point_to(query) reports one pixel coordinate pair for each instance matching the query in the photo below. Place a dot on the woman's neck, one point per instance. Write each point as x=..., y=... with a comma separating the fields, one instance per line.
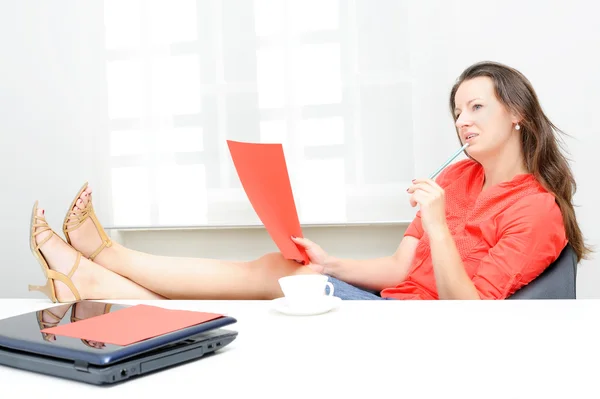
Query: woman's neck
x=503, y=168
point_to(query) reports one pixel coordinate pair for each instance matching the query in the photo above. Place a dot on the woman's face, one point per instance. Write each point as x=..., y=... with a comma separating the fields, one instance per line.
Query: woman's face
x=481, y=119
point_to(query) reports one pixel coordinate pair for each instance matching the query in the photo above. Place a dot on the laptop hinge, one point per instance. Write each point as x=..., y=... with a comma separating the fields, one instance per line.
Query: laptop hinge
x=80, y=365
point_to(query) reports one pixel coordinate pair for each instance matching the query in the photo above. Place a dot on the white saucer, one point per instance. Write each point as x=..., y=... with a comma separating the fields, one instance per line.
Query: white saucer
x=325, y=305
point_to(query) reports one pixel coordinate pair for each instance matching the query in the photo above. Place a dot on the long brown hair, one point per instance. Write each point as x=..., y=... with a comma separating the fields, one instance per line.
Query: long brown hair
x=539, y=140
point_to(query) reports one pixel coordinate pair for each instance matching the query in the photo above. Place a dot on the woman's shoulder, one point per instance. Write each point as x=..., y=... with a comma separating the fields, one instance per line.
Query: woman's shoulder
x=539, y=204
x=536, y=211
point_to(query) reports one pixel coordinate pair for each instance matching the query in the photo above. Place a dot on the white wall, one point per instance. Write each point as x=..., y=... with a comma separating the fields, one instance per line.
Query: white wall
x=53, y=116
x=246, y=244
x=52, y=121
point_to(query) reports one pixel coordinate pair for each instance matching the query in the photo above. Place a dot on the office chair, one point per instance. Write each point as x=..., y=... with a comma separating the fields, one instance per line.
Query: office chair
x=558, y=281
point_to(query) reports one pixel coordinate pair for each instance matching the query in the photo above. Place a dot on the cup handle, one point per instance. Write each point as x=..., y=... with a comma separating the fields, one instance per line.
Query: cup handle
x=330, y=289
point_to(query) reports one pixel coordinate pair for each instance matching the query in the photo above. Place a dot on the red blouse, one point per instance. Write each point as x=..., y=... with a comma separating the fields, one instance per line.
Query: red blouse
x=506, y=235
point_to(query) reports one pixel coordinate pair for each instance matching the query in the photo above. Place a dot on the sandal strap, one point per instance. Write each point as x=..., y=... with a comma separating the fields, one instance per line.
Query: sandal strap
x=45, y=240
x=77, y=218
x=53, y=315
x=74, y=318
x=41, y=226
x=75, y=266
x=105, y=244
x=47, y=324
x=66, y=279
x=73, y=311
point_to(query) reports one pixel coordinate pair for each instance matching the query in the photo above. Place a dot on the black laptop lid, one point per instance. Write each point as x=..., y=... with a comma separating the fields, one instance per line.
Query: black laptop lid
x=23, y=332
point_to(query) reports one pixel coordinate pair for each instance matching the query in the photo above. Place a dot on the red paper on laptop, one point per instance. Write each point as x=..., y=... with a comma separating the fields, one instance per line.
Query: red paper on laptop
x=263, y=172
x=131, y=324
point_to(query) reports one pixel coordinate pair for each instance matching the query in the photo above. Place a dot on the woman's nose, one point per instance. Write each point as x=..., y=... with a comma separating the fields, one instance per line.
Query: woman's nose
x=461, y=122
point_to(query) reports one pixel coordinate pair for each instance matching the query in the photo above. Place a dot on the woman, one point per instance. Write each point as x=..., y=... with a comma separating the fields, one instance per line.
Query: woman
x=486, y=227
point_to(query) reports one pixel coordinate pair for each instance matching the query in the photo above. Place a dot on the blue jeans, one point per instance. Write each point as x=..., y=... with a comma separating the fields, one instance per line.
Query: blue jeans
x=346, y=291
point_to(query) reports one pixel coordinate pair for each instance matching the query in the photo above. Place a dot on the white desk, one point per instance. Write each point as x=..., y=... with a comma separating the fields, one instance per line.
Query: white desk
x=503, y=349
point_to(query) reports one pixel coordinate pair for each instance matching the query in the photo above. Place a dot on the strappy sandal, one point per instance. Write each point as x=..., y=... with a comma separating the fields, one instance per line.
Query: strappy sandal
x=38, y=226
x=74, y=219
x=47, y=324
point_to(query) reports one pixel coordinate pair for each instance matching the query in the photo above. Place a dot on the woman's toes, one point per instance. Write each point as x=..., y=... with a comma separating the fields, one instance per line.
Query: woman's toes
x=83, y=200
x=42, y=235
x=85, y=197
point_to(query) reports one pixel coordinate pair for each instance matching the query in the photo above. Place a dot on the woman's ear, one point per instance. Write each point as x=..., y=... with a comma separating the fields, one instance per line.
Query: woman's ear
x=516, y=118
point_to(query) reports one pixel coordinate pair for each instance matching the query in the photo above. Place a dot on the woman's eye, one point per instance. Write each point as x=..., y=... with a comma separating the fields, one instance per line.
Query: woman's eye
x=477, y=106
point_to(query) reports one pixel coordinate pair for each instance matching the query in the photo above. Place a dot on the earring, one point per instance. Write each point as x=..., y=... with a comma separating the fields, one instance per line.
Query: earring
x=517, y=127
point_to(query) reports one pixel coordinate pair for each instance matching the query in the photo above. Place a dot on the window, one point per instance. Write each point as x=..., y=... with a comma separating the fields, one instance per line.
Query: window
x=322, y=77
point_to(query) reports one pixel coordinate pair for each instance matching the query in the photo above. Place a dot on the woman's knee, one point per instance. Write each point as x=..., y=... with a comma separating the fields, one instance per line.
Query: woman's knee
x=269, y=268
x=274, y=261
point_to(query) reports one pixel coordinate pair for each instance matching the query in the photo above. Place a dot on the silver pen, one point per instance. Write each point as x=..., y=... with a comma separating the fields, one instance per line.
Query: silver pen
x=457, y=153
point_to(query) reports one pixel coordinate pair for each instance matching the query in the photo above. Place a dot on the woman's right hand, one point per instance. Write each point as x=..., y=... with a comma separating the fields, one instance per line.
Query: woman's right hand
x=318, y=257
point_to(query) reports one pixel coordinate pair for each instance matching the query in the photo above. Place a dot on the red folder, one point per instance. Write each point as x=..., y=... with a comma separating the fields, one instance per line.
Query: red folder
x=131, y=324
x=264, y=176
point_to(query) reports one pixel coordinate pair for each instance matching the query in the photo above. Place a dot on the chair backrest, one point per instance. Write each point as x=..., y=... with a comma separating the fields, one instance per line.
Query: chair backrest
x=558, y=281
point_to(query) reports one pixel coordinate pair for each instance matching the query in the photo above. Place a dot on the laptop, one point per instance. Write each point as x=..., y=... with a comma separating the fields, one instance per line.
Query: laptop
x=24, y=346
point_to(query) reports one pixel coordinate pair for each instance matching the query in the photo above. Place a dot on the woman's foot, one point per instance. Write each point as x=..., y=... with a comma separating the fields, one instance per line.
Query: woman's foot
x=62, y=259
x=84, y=236
x=90, y=280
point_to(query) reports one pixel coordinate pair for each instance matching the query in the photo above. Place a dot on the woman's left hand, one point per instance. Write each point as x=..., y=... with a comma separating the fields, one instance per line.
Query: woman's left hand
x=431, y=200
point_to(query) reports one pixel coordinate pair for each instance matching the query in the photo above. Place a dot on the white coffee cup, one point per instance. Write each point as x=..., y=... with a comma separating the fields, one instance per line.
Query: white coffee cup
x=305, y=288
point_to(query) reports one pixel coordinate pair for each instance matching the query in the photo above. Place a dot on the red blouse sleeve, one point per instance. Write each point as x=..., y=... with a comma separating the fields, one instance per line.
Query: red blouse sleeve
x=531, y=235
x=415, y=229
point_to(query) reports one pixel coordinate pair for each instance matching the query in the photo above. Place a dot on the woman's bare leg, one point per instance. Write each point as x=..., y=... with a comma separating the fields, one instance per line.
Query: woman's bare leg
x=197, y=278
x=187, y=278
x=91, y=280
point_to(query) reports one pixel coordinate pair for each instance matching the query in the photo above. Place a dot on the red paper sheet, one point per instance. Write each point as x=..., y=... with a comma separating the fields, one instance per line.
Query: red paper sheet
x=263, y=172
x=132, y=324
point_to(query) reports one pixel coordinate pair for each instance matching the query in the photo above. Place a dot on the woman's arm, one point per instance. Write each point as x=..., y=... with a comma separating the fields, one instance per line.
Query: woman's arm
x=451, y=277
x=375, y=274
